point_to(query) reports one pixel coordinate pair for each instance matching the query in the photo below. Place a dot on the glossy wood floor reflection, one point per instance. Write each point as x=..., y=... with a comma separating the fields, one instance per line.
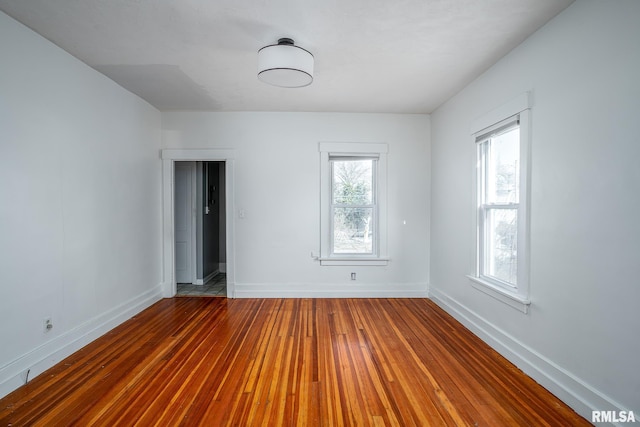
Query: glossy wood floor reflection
x=281, y=362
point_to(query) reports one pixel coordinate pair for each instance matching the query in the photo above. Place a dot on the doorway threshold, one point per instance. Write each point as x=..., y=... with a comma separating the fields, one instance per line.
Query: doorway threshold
x=215, y=287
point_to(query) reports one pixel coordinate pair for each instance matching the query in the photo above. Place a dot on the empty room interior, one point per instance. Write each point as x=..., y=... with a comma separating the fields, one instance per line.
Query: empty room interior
x=319, y=213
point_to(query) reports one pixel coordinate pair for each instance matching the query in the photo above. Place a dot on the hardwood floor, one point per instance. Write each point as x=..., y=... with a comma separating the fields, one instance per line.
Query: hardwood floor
x=280, y=362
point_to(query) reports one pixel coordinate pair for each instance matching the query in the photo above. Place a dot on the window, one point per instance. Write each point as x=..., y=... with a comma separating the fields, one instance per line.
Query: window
x=498, y=196
x=353, y=205
x=501, y=238
x=353, y=196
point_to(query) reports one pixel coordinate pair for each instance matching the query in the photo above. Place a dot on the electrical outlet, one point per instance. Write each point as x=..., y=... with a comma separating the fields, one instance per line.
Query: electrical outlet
x=353, y=276
x=48, y=324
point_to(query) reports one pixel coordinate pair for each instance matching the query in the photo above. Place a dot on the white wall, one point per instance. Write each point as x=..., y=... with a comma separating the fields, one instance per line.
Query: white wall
x=581, y=337
x=277, y=181
x=80, y=191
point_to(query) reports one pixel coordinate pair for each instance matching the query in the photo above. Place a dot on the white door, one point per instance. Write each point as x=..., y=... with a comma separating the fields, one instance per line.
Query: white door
x=184, y=222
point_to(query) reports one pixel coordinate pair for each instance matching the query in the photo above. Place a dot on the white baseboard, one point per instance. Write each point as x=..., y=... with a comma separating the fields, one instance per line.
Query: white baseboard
x=575, y=392
x=211, y=276
x=14, y=374
x=206, y=279
x=332, y=290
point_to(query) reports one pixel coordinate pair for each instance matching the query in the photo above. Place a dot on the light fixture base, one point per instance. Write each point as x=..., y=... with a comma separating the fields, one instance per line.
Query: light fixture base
x=286, y=41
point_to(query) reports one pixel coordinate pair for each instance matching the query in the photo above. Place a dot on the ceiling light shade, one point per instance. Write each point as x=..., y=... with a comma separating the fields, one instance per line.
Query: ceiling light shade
x=285, y=65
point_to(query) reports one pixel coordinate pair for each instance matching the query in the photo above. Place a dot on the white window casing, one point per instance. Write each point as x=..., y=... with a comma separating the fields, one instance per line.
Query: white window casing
x=336, y=151
x=515, y=114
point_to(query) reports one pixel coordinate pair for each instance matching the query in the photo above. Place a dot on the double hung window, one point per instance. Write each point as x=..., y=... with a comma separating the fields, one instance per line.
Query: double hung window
x=499, y=203
x=353, y=198
x=501, y=264
x=353, y=205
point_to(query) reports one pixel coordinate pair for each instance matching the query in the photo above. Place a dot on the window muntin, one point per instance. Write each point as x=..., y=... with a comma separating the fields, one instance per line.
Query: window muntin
x=353, y=205
x=499, y=204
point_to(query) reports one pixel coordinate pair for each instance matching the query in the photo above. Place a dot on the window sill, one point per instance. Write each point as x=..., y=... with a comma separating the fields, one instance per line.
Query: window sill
x=354, y=261
x=502, y=295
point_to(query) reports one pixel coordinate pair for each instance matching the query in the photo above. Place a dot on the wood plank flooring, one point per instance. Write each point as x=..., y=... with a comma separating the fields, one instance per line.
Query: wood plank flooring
x=286, y=362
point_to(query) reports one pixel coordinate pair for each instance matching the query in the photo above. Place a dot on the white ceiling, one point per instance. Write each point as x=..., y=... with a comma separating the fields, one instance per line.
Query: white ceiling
x=392, y=56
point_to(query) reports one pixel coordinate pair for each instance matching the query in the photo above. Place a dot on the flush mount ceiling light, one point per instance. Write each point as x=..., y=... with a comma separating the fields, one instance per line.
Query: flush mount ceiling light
x=285, y=65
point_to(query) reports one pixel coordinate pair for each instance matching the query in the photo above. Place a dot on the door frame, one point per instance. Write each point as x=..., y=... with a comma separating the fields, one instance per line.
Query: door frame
x=192, y=209
x=169, y=157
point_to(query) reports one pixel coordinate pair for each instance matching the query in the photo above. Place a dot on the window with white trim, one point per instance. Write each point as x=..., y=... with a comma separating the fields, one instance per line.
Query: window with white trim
x=498, y=195
x=354, y=209
x=501, y=239
x=353, y=197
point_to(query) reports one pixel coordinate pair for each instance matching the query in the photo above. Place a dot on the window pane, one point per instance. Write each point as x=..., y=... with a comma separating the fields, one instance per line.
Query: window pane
x=501, y=243
x=353, y=182
x=503, y=167
x=353, y=230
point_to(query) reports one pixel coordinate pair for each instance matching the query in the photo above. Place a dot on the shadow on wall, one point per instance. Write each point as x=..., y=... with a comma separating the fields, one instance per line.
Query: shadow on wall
x=164, y=86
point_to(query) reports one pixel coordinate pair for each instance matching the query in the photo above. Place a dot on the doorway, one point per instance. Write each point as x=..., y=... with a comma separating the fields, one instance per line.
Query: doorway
x=216, y=194
x=199, y=226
